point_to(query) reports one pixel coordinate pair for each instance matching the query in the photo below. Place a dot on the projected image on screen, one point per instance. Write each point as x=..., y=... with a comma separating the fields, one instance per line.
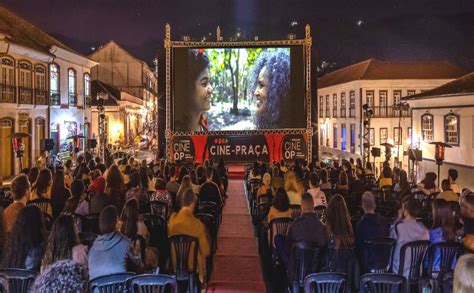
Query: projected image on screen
x=238, y=89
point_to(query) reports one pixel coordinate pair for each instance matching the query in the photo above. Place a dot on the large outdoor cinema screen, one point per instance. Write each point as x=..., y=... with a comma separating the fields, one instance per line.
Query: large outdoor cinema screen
x=252, y=88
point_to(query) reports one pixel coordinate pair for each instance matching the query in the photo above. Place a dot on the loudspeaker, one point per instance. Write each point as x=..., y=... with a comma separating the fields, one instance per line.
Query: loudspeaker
x=375, y=152
x=415, y=155
x=91, y=143
x=46, y=144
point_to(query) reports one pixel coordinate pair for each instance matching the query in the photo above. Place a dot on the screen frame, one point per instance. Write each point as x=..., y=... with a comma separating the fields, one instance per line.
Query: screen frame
x=305, y=45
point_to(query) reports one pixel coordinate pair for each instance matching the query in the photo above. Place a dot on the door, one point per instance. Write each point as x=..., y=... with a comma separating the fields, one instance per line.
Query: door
x=25, y=126
x=6, y=147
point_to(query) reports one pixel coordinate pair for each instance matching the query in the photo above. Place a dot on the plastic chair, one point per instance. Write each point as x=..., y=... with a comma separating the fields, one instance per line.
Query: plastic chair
x=42, y=203
x=110, y=283
x=209, y=207
x=159, y=208
x=378, y=255
x=87, y=238
x=382, y=283
x=158, y=234
x=415, y=250
x=16, y=280
x=152, y=283
x=90, y=223
x=211, y=225
x=276, y=227
x=183, y=260
x=446, y=252
x=447, y=283
x=295, y=211
x=320, y=211
x=302, y=262
x=325, y=283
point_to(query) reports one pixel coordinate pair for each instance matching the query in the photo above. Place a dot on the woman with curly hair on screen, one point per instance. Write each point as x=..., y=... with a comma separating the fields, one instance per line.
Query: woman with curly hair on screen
x=271, y=78
x=195, y=92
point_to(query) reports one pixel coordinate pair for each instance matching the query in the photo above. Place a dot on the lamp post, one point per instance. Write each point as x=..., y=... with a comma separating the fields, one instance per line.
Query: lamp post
x=101, y=98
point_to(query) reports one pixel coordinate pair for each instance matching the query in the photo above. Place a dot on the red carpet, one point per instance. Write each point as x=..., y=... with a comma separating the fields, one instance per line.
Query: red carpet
x=236, y=263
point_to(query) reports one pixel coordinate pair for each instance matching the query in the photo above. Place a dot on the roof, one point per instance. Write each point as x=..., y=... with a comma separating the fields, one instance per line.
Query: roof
x=98, y=86
x=462, y=85
x=373, y=69
x=22, y=32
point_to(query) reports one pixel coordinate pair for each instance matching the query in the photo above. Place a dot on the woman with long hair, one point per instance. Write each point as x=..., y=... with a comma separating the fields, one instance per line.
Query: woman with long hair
x=266, y=187
x=63, y=243
x=194, y=93
x=33, y=175
x=293, y=188
x=464, y=274
x=185, y=184
x=43, y=187
x=24, y=246
x=325, y=183
x=115, y=186
x=59, y=193
x=386, y=177
x=402, y=187
x=194, y=181
x=428, y=184
x=281, y=206
x=343, y=182
x=443, y=228
x=338, y=223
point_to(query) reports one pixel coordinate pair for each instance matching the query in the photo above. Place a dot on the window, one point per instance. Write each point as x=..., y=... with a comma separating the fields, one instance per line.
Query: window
x=397, y=135
x=411, y=92
x=54, y=84
x=40, y=85
x=25, y=89
x=334, y=105
x=369, y=98
x=72, y=86
x=352, y=104
x=321, y=106
x=372, y=136
x=87, y=88
x=383, y=103
x=397, y=95
x=7, y=80
x=427, y=123
x=383, y=135
x=334, y=136
x=409, y=136
x=343, y=105
x=343, y=136
x=328, y=114
x=40, y=131
x=451, y=129
x=353, y=138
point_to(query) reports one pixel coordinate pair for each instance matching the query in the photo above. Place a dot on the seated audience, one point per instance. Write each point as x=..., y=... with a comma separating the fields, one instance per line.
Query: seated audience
x=293, y=188
x=466, y=203
x=209, y=191
x=185, y=223
x=255, y=172
x=453, y=176
x=371, y=225
x=448, y=194
x=277, y=180
x=386, y=177
x=135, y=191
x=338, y=225
x=325, y=184
x=407, y=229
x=464, y=274
x=342, y=185
x=265, y=187
x=25, y=244
x=63, y=243
x=403, y=186
x=20, y=190
x=319, y=198
x=43, y=187
x=33, y=176
x=172, y=186
x=280, y=207
x=357, y=187
x=59, y=193
x=62, y=276
x=428, y=184
x=111, y=252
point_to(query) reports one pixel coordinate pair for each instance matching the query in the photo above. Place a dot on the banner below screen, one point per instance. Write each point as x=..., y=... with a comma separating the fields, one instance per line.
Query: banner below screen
x=246, y=148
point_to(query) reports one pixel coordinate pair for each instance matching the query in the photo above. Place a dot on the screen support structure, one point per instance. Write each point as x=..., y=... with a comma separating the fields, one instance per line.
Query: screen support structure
x=306, y=43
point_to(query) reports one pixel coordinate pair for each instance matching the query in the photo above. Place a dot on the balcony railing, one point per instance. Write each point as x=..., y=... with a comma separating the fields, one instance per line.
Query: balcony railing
x=328, y=113
x=55, y=98
x=352, y=112
x=40, y=97
x=7, y=93
x=389, y=112
x=343, y=112
x=26, y=95
x=334, y=113
x=72, y=99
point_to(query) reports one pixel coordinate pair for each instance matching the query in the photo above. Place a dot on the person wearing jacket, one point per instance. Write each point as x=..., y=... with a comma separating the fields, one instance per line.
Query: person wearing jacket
x=405, y=230
x=111, y=252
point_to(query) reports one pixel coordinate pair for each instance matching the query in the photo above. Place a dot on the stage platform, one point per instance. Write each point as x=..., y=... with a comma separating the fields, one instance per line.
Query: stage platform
x=236, y=170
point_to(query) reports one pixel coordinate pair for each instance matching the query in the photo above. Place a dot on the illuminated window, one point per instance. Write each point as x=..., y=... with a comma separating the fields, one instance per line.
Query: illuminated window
x=383, y=135
x=72, y=87
x=343, y=105
x=427, y=123
x=352, y=104
x=321, y=106
x=343, y=136
x=87, y=89
x=451, y=129
x=54, y=84
x=7, y=80
x=397, y=135
x=369, y=98
x=334, y=136
x=334, y=105
x=372, y=136
x=328, y=105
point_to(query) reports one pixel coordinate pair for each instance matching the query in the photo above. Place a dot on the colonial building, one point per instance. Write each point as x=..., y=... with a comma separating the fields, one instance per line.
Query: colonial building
x=43, y=88
x=446, y=114
x=380, y=85
x=132, y=86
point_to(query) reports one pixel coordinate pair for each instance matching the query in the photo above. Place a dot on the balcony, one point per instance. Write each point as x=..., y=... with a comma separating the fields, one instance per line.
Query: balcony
x=352, y=112
x=389, y=112
x=328, y=113
x=72, y=99
x=26, y=95
x=55, y=98
x=7, y=93
x=40, y=97
x=343, y=112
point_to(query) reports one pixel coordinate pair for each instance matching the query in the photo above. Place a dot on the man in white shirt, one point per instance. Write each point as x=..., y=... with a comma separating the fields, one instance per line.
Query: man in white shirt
x=319, y=198
x=452, y=176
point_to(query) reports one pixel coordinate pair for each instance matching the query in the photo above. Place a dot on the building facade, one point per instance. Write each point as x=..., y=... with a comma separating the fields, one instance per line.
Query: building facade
x=381, y=85
x=445, y=114
x=137, y=100
x=36, y=95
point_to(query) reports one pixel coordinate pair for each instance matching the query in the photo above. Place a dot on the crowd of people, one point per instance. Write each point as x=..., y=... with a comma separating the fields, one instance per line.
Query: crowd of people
x=358, y=207
x=46, y=214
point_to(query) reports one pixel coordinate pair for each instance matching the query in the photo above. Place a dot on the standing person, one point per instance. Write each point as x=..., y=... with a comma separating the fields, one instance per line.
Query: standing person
x=111, y=252
x=195, y=92
x=271, y=87
x=20, y=190
x=63, y=243
x=59, y=193
x=25, y=244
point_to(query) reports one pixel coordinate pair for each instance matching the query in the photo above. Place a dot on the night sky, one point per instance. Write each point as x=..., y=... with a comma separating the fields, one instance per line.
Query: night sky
x=343, y=32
